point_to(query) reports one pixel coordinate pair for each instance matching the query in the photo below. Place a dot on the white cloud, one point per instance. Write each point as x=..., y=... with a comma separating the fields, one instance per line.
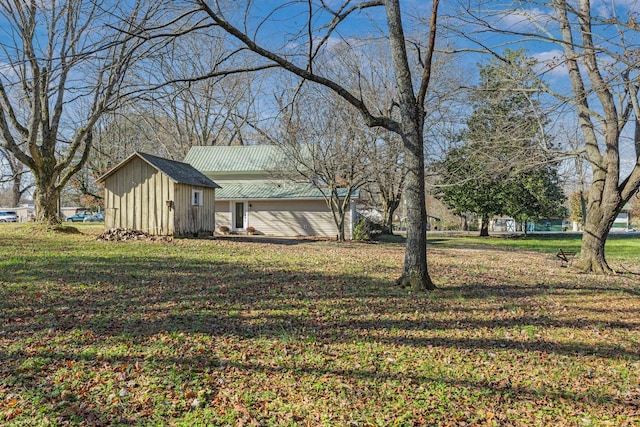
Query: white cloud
x=552, y=64
x=605, y=7
x=524, y=19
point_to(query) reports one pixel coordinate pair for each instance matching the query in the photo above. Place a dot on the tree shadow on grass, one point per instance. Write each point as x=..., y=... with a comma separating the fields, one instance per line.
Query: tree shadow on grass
x=120, y=375
x=143, y=297
x=501, y=392
x=112, y=300
x=506, y=290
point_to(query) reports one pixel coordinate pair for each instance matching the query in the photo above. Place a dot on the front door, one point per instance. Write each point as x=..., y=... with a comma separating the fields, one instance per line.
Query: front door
x=238, y=221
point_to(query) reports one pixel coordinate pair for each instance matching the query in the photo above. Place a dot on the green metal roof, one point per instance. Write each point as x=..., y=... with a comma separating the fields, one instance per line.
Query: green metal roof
x=267, y=190
x=254, y=190
x=246, y=159
x=251, y=172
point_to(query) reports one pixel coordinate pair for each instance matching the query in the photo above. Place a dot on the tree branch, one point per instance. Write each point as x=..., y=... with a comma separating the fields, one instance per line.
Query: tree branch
x=426, y=74
x=282, y=62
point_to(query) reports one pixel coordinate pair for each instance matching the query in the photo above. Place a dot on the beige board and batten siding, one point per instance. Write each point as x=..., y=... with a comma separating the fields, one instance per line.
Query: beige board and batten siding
x=190, y=219
x=136, y=198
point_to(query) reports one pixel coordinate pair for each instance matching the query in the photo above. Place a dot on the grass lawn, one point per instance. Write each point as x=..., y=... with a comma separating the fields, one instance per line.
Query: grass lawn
x=241, y=333
x=620, y=247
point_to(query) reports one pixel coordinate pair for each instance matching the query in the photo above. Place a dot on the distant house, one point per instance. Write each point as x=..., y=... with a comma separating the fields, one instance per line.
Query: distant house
x=623, y=220
x=256, y=194
x=159, y=196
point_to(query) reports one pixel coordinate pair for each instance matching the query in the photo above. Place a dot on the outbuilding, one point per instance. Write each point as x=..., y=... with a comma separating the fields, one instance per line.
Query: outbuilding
x=159, y=196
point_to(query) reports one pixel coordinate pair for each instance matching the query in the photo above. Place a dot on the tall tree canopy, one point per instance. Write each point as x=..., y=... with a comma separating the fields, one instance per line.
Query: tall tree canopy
x=593, y=51
x=502, y=166
x=64, y=65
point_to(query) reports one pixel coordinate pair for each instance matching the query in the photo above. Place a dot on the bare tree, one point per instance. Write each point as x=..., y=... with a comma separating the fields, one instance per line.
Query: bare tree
x=64, y=66
x=184, y=111
x=387, y=175
x=327, y=149
x=598, y=49
x=15, y=177
x=115, y=136
x=299, y=54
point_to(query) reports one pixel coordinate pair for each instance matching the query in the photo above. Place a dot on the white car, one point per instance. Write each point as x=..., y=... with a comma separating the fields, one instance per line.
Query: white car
x=8, y=216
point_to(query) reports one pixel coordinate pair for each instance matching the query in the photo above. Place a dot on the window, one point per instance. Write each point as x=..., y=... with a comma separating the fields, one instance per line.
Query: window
x=196, y=198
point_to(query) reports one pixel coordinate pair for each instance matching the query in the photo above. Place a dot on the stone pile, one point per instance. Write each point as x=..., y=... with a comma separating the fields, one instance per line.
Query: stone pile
x=123, y=234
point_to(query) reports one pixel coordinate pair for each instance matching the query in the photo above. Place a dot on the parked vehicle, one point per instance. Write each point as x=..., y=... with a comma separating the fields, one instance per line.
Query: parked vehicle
x=78, y=217
x=8, y=216
x=96, y=217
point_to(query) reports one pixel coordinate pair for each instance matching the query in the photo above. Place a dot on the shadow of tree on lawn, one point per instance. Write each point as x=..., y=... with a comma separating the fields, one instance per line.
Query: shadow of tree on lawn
x=105, y=300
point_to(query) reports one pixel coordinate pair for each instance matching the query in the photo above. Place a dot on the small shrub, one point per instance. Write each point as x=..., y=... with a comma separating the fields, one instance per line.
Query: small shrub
x=224, y=229
x=362, y=230
x=366, y=230
x=250, y=230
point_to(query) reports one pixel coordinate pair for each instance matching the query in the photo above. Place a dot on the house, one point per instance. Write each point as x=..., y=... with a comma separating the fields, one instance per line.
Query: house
x=256, y=192
x=159, y=196
x=504, y=224
x=24, y=213
x=623, y=220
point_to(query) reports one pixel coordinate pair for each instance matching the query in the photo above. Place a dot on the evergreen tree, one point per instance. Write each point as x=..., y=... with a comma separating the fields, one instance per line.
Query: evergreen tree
x=501, y=168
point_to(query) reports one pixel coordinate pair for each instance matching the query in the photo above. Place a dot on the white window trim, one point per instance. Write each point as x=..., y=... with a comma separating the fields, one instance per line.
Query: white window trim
x=197, y=198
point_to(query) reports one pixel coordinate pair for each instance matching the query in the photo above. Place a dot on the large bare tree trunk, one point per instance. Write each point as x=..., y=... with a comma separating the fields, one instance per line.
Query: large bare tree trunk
x=46, y=201
x=415, y=274
x=47, y=191
x=592, y=250
x=602, y=210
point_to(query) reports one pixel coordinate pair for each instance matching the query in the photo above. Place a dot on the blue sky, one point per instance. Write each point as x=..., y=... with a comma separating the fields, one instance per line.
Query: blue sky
x=527, y=16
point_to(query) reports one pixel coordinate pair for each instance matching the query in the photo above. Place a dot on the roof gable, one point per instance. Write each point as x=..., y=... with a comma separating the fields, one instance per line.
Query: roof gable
x=236, y=159
x=180, y=173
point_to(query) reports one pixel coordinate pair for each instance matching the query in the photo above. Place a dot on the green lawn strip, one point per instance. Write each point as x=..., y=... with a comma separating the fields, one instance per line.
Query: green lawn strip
x=217, y=332
x=618, y=246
